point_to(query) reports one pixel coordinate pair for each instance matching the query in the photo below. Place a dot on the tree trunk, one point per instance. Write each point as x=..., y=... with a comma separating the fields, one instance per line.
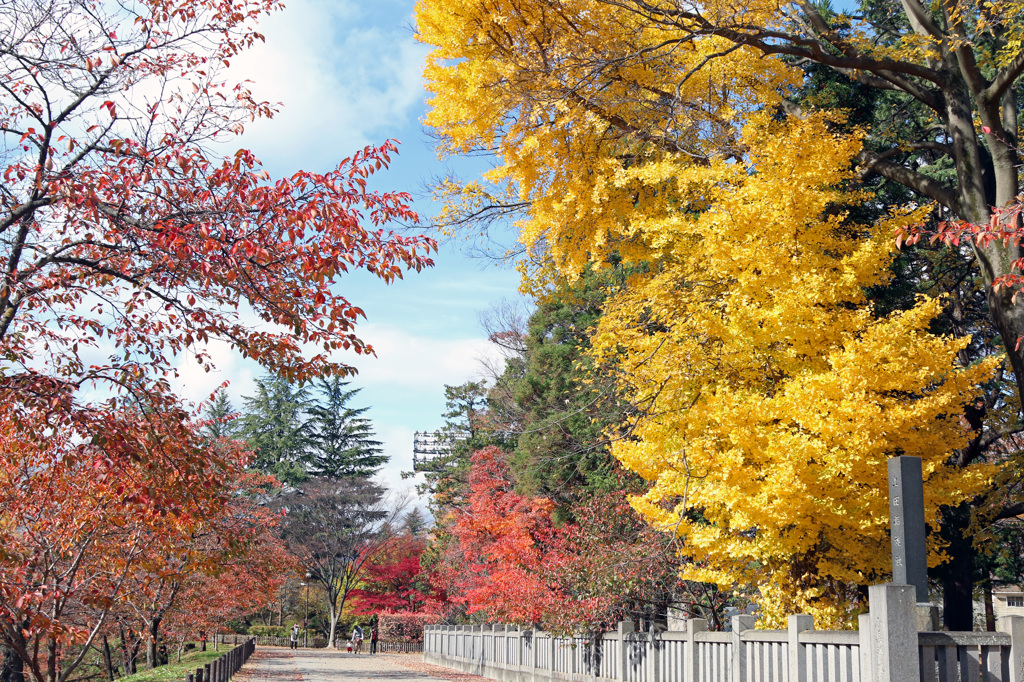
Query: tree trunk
x=108, y=664
x=53, y=657
x=12, y=669
x=957, y=574
x=990, y=612
x=129, y=649
x=152, y=656
x=984, y=180
x=334, y=627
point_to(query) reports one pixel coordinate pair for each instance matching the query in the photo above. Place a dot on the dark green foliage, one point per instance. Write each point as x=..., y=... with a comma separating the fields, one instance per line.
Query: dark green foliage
x=218, y=413
x=469, y=425
x=275, y=428
x=343, y=443
x=1008, y=563
x=301, y=431
x=567, y=404
x=414, y=523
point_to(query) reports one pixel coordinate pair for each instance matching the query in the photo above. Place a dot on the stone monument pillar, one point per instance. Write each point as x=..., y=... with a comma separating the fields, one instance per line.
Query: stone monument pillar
x=908, y=534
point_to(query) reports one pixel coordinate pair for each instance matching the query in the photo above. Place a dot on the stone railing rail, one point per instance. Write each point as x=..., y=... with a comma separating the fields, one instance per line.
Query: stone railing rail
x=887, y=648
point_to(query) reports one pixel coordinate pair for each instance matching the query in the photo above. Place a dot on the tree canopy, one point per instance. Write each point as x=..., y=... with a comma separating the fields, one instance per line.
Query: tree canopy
x=773, y=362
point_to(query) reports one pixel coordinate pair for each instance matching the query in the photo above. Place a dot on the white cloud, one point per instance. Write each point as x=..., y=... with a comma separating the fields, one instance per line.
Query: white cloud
x=343, y=85
x=397, y=444
x=416, y=362
x=195, y=384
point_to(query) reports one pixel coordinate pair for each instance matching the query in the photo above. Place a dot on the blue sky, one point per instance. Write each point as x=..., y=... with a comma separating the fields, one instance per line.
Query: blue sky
x=349, y=74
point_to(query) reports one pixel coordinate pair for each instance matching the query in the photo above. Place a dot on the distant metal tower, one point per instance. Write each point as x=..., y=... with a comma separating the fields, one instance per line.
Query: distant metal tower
x=430, y=446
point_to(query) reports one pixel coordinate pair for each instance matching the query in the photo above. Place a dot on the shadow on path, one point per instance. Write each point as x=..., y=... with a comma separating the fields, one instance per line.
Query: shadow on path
x=277, y=664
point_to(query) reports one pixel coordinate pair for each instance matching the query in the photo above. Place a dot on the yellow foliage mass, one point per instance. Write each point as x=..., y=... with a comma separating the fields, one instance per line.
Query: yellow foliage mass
x=773, y=393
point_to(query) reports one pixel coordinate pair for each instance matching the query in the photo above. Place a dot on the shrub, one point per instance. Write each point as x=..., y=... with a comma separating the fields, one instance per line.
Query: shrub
x=269, y=630
x=403, y=627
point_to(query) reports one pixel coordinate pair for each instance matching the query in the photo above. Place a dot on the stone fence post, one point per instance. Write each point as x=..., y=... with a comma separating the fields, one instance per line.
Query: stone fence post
x=625, y=627
x=691, y=661
x=740, y=624
x=797, y=651
x=1014, y=626
x=894, y=641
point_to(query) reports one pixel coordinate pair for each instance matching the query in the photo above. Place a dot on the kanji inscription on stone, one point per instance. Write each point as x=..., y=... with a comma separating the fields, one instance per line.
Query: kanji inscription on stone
x=906, y=521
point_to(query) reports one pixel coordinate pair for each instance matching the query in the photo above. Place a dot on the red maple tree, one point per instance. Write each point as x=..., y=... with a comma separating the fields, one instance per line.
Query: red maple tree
x=128, y=243
x=505, y=545
x=394, y=581
x=506, y=557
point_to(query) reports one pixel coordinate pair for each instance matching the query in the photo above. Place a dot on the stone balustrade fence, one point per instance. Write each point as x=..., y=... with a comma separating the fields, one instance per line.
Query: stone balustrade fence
x=888, y=647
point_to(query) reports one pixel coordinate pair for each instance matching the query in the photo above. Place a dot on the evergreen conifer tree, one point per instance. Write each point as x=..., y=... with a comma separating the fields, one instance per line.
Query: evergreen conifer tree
x=343, y=441
x=218, y=412
x=276, y=428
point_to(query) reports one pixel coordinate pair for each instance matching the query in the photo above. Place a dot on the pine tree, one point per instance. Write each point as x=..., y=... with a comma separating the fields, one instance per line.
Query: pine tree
x=415, y=523
x=276, y=429
x=343, y=441
x=218, y=413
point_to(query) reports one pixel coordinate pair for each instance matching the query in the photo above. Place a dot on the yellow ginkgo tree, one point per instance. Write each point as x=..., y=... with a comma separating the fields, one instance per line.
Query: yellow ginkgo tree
x=774, y=395
x=771, y=392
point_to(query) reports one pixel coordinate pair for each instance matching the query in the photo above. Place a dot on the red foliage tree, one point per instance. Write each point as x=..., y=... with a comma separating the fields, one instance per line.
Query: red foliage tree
x=84, y=520
x=126, y=243
x=394, y=582
x=509, y=560
x=119, y=224
x=505, y=546
x=224, y=565
x=244, y=582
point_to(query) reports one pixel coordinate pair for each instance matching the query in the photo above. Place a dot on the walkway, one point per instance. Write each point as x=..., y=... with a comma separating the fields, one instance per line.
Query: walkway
x=278, y=664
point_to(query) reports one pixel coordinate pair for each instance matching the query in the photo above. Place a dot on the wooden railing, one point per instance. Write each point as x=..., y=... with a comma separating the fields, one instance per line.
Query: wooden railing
x=886, y=648
x=224, y=667
x=321, y=643
x=398, y=647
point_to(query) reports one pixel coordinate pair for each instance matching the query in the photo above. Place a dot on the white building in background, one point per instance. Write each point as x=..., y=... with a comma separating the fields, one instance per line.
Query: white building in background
x=1008, y=600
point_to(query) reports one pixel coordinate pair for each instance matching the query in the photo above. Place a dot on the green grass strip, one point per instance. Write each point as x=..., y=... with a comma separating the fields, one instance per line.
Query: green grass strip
x=190, y=660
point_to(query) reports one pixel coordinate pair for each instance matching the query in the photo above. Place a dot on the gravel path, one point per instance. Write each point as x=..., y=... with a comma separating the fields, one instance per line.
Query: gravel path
x=278, y=664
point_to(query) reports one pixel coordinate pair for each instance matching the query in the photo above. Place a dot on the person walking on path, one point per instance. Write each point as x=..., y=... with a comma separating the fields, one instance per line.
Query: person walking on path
x=373, y=639
x=357, y=638
x=295, y=636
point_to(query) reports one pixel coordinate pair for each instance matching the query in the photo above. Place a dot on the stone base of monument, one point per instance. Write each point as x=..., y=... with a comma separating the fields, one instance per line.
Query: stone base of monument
x=927, y=617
